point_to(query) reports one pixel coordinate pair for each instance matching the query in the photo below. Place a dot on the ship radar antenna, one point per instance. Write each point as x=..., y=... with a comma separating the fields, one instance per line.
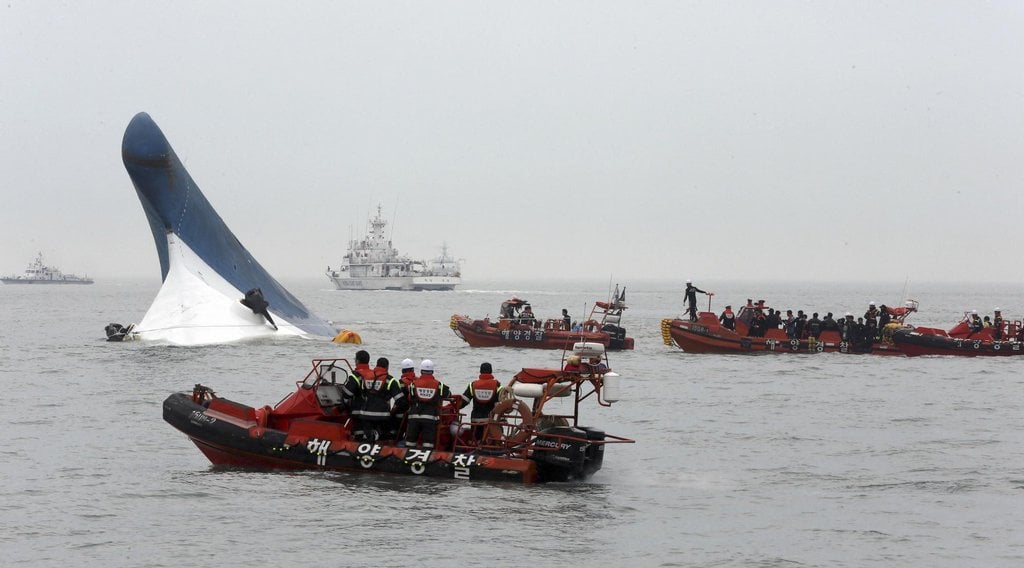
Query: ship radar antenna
x=394, y=216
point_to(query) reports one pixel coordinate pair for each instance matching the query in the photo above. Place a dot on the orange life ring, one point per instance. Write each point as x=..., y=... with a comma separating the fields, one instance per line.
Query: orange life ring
x=497, y=418
x=591, y=325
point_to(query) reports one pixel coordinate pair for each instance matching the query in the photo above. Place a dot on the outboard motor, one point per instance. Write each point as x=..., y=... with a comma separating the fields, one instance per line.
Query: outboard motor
x=594, y=454
x=560, y=459
x=616, y=336
x=255, y=302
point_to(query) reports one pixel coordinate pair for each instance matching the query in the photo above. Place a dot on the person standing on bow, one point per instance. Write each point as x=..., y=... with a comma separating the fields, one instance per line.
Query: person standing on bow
x=426, y=394
x=484, y=393
x=691, y=299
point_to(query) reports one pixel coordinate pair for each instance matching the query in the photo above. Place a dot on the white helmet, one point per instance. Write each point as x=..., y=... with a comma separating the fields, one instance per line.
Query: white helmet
x=997, y=310
x=426, y=365
x=871, y=303
x=974, y=312
x=688, y=281
x=407, y=364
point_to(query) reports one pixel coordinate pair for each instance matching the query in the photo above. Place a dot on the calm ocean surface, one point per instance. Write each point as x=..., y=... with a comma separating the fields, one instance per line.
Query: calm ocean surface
x=784, y=460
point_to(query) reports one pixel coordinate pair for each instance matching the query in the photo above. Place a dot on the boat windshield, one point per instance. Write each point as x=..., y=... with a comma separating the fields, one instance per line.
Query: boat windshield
x=332, y=371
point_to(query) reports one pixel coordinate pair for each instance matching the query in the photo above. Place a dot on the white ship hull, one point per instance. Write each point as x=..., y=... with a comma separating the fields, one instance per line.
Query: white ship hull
x=405, y=283
x=42, y=281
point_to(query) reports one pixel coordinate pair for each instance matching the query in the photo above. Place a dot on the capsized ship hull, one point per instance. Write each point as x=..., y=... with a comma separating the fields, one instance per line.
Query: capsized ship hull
x=205, y=269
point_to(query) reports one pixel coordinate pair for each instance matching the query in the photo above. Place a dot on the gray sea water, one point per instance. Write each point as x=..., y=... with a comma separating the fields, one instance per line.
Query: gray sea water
x=770, y=460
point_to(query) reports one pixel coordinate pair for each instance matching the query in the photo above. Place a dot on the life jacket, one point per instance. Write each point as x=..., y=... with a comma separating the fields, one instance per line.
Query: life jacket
x=425, y=398
x=727, y=314
x=485, y=389
x=362, y=373
x=426, y=389
x=377, y=382
x=379, y=391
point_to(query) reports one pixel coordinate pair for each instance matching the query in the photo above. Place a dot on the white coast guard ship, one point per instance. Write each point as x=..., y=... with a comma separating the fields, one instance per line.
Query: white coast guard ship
x=39, y=273
x=373, y=264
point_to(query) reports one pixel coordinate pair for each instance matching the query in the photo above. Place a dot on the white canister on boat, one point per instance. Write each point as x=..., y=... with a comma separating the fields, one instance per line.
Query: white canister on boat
x=560, y=389
x=527, y=390
x=611, y=389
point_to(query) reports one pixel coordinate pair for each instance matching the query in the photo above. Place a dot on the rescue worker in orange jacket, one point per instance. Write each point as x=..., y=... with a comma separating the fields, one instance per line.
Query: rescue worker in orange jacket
x=484, y=393
x=381, y=394
x=426, y=394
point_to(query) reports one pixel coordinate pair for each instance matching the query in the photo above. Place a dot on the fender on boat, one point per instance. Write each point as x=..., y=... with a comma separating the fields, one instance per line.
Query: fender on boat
x=205, y=270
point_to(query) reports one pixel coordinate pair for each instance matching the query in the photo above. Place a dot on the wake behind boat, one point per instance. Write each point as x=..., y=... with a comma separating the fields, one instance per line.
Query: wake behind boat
x=526, y=438
x=39, y=273
x=372, y=263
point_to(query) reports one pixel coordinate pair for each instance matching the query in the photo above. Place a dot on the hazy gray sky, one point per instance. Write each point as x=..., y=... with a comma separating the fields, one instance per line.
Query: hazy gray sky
x=705, y=140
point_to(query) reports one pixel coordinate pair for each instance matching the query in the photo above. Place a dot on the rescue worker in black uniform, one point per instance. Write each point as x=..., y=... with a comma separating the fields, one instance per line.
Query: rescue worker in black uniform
x=425, y=397
x=484, y=394
x=757, y=325
x=402, y=406
x=352, y=391
x=798, y=325
x=829, y=324
x=381, y=395
x=871, y=316
x=691, y=299
x=566, y=320
x=884, y=317
x=974, y=324
x=814, y=326
x=997, y=324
